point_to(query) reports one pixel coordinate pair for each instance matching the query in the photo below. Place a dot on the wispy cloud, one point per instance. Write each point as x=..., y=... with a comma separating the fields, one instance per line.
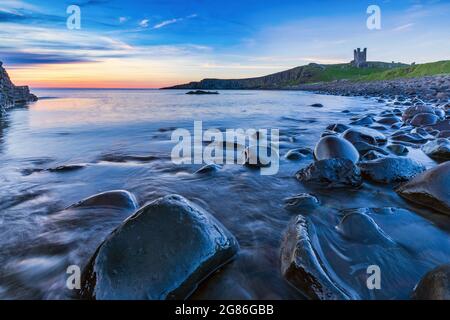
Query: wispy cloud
x=172, y=21
x=403, y=27
x=123, y=19
x=144, y=23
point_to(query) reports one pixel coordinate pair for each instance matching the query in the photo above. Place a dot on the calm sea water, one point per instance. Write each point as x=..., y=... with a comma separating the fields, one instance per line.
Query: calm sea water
x=95, y=127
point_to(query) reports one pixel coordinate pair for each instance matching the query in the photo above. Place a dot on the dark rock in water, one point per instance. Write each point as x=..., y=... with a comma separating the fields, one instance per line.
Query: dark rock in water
x=259, y=156
x=360, y=227
x=209, y=168
x=368, y=135
x=391, y=169
x=121, y=158
x=317, y=105
x=389, y=120
x=298, y=153
x=409, y=137
x=301, y=202
x=367, y=120
x=331, y=173
x=335, y=147
x=435, y=285
x=67, y=168
x=371, y=155
x=327, y=133
x=424, y=119
x=430, y=189
x=345, y=111
x=114, y=198
x=161, y=252
x=441, y=125
x=301, y=266
x=202, y=92
x=338, y=127
x=438, y=149
x=364, y=147
x=398, y=149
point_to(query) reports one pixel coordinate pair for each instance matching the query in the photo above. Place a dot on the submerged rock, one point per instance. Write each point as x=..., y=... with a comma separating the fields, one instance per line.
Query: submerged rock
x=331, y=173
x=163, y=251
x=209, y=168
x=367, y=120
x=298, y=153
x=398, y=149
x=301, y=202
x=363, y=134
x=302, y=267
x=114, y=198
x=391, y=169
x=330, y=147
x=438, y=149
x=317, y=105
x=435, y=285
x=430, y=189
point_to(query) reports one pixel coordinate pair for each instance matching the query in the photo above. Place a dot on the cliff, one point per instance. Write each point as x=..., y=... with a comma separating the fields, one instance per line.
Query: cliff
x=11, y=94
x=310, y=73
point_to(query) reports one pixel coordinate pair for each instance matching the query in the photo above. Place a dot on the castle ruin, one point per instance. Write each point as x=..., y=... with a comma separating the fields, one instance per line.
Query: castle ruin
x=360, y=58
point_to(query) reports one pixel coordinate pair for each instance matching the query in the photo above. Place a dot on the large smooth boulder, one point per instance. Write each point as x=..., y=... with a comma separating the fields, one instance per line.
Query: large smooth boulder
x=430, y=189
x=330, y=147
x=391, y=169
x=331, y=173
x=438, y=149
x=163, y=251
x=301, y=266
x=363, y=134
x=435, y=285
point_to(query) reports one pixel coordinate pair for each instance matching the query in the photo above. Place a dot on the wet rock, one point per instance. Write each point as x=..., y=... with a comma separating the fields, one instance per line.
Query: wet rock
x=302, y=267
x=444, y=134
x=424, y=119
x=67, y=168
x=415, y=110
x=435, y=285
x=338, y=127
x=364, y=147
x=161, y=252
x=301, y=202
x=209, y=168
x=398, y=149
x=438, y=149
x=259, y=156
x=391, y=169
x=371, y=155
x=298, y=153
x=357, y=226
x=367, y=120
x=441, y=125
x=317, y=105
x=331, y=173
x=368, y=135
x=114, y=198
x=430, y=189
x=389, y=120
x=327, y=133
x=335, y=147
x=409, y=137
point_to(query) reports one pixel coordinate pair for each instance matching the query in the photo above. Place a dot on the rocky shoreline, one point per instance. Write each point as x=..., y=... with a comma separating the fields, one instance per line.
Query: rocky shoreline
x=10, y=94
x=432, y=89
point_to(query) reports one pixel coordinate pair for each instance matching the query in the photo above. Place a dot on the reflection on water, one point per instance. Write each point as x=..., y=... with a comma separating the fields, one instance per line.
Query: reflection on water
x=120, y=139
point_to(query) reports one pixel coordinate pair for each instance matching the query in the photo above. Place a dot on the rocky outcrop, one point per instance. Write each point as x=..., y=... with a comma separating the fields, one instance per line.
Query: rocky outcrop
x=11, y=94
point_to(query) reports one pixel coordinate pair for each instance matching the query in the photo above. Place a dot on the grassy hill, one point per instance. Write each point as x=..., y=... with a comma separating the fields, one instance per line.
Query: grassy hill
x=313, y=73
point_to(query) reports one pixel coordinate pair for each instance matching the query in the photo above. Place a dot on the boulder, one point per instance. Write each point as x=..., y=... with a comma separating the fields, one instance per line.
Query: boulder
x=438, y=149
x=415, y=110
x=298, y=153
x=430, y=189
x=424, y=119
x=435, y=285
x=391, y=169
x=301, y=202
x=331, y=173
x=330, y=147
x=114, y=198
x=163, y=251
x=398, y=149
x=363, y=134
x=389, y=120
x=364, y=121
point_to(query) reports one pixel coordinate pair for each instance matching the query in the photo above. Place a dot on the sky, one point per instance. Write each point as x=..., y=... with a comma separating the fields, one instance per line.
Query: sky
x=157, y=43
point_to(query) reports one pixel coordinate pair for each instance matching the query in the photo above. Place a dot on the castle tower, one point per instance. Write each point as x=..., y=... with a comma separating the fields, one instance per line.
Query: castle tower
x=360, y=58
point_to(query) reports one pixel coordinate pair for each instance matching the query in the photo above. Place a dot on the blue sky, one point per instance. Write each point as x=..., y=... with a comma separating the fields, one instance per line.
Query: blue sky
x=160, y=42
